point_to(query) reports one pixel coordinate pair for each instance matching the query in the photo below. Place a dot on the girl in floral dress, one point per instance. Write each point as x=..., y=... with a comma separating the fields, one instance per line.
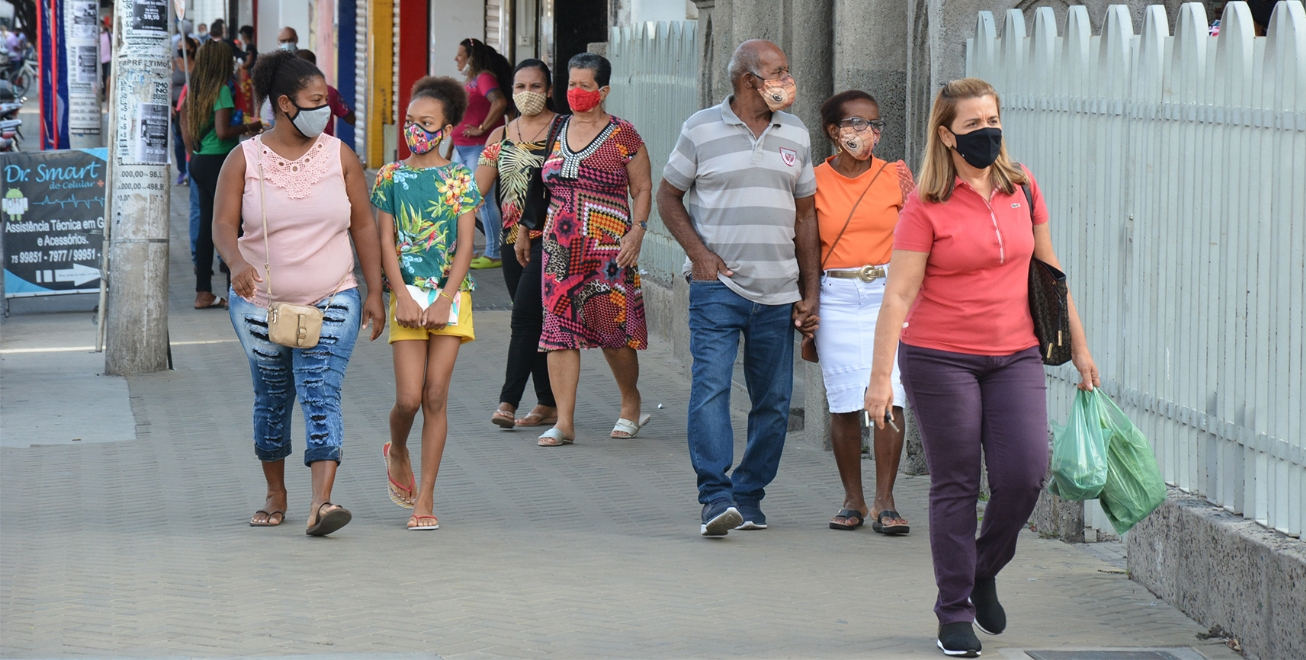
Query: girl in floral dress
x=427, y=210
x=590, y=281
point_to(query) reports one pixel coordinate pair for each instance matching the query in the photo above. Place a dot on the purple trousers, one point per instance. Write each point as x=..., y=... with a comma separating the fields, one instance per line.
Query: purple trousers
x=963, y=403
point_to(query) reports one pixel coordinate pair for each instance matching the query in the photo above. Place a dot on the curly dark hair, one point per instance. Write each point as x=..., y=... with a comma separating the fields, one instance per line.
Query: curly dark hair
x=832, y=110
x=281, y=73
x=447, y=91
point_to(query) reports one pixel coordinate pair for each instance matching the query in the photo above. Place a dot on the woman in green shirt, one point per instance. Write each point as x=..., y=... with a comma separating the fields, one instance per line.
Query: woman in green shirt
x=213, y=128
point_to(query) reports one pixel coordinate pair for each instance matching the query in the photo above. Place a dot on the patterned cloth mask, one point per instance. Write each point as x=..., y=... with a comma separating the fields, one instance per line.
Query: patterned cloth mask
x=778, y=94
x=530, y=103
x=421, y=140
x=859, y=145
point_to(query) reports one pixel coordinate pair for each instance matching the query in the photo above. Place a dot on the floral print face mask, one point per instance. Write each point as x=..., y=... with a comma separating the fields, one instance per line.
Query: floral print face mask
x=421, y=140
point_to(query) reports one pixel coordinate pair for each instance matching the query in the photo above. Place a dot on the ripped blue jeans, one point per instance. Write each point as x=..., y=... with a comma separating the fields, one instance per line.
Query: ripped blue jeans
x=314, y=374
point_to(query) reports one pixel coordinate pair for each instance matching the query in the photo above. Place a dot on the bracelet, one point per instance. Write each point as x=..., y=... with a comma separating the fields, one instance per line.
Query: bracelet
x=447, y=296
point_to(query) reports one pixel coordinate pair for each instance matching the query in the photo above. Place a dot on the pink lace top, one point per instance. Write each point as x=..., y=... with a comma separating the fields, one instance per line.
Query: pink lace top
x=308, y=216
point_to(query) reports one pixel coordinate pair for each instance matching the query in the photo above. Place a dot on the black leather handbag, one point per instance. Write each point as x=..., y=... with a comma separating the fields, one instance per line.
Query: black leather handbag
x=1048, y=303
x=535, y=208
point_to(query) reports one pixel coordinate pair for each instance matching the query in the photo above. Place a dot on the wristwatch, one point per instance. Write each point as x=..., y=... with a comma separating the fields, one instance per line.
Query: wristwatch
x=643, y=225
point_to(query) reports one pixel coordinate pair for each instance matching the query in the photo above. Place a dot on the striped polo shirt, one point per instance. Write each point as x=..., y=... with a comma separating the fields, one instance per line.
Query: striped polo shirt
x=740, y=196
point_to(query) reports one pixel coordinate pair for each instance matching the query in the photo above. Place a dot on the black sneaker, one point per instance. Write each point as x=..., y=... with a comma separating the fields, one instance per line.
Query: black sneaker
x=752, y=515
x=719, y=517
x=958, y=640
x=989, y=615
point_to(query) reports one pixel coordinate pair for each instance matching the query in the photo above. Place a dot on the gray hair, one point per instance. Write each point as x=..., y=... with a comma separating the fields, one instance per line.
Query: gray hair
x=599, y=64
x=745, y=59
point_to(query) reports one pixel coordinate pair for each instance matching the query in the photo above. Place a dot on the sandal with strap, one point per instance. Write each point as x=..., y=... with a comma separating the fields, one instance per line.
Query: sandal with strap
x=536, y=419
x=890, y=530
x=554, y=438
x=415, y=524
x=267, y=522
x=503, y=419
x=330, y=521
x=626, y=429
x=399, y=493
x=849, y=515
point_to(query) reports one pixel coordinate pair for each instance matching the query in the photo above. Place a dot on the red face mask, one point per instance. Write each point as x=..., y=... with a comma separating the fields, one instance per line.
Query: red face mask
x=581, y=100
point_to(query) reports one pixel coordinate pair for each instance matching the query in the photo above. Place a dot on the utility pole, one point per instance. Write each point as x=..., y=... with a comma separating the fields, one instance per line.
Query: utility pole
x=137, y=311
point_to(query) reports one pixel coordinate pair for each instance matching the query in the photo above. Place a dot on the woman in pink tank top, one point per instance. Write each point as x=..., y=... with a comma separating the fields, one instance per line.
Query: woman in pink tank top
x=307, y=191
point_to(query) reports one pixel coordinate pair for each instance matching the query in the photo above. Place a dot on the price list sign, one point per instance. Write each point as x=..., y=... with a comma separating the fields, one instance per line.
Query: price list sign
x=52, y=210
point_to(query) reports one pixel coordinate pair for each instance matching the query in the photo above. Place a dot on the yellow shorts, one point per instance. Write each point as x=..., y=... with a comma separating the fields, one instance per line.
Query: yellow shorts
x=463, y=330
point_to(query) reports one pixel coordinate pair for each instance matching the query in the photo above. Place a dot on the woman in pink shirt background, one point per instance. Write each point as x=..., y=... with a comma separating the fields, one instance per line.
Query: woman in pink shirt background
x=488, y=75
x=958, y=299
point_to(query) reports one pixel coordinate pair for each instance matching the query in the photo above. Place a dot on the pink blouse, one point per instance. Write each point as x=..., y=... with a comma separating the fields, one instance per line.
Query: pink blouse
x=308, y=217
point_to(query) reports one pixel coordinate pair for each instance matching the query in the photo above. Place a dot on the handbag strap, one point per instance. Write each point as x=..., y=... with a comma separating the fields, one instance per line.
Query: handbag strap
x=554, y=128
x=267, y=251
x=850, y=215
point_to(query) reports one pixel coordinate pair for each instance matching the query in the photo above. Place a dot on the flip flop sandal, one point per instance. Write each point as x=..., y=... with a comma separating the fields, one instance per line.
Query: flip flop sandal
x=503, y=419
x=218, y=303
x=848, y=515
x=889, y=530
x=629, y=428
x=268, y=522
x=419, y=527
x=399, y=493
x=330, y=521
x=554, y=438
x=536, y=419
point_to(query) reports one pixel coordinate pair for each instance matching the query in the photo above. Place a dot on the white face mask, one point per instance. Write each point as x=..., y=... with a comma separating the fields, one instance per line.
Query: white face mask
x=310, y=122
x=291, y=46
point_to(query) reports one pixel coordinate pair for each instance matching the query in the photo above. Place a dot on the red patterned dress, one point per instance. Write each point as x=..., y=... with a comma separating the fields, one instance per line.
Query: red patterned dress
x=590, y=302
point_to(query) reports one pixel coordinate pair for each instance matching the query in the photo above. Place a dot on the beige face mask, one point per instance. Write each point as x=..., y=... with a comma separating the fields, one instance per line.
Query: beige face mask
x=859, y=145
x=530, y=103
x=778, y=94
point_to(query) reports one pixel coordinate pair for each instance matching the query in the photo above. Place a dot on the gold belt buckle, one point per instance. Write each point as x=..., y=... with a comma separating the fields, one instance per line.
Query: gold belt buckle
x=870, y=273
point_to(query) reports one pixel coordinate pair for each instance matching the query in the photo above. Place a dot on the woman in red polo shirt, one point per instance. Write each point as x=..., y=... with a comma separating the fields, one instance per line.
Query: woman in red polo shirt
x=957, y=299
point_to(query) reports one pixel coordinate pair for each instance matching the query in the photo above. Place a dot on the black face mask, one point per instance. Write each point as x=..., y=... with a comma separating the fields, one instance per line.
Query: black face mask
x=980, y=147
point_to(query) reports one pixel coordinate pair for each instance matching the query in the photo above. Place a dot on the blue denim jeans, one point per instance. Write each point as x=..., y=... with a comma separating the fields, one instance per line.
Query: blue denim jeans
x=491, y=221
x=717, y=317
x=315, y=375
x=194, y=219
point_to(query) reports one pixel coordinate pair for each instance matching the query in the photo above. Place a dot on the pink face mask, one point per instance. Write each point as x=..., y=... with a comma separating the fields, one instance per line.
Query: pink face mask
x=779, y=94
x=859, y=145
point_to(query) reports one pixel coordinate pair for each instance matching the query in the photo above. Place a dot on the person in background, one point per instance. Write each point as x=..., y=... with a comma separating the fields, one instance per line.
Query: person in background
x=339, y=110
x=213, y=127
x=106, y=57
x=858, y=197
x=289, y=203
x=590, y=273
x=183, y=62
x=201, y=33
x=218, y=32
x=958, y=298
x=426, y=209
x=247, y=43
x=510, y=154
x=288, y=39
x=488, y=75
x=738, y=194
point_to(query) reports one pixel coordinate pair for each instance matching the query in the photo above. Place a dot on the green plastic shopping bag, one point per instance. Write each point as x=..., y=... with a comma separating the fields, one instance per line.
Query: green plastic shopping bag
x=1079, y=463
x=1134, y=487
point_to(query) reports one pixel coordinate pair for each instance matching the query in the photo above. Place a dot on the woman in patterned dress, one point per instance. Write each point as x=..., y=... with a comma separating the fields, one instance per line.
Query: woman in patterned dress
x=590, y=281
x=510, y=155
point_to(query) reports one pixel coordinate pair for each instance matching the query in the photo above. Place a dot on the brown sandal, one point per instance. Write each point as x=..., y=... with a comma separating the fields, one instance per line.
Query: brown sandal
x=268, y=521
x=503, y=418
x=330, y=521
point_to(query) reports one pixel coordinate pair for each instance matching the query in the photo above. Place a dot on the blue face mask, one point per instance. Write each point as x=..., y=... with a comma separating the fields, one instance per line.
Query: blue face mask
x=292, y=46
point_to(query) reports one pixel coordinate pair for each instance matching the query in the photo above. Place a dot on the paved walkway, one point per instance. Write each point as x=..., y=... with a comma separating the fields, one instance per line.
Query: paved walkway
x=140, y=547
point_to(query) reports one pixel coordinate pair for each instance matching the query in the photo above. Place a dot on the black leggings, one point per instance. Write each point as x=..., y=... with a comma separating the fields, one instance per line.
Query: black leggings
x=524, y=357
x=204, y=170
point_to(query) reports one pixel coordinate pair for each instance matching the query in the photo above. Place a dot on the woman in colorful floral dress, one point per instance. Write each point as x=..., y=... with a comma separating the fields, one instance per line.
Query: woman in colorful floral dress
x=510, y=154
x=426, y=208
x=590, y=281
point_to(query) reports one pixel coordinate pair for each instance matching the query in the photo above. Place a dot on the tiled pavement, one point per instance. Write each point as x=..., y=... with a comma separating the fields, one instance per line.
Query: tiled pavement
x=141, y=547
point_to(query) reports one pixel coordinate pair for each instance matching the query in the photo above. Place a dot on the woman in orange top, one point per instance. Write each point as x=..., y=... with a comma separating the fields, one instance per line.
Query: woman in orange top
x=858, y=197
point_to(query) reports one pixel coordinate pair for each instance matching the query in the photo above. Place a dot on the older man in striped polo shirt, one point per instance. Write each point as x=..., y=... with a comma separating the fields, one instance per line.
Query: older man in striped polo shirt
x=737, y=193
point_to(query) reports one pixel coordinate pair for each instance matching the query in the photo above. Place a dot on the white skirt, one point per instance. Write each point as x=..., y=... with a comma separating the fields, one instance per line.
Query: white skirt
x=845, y=341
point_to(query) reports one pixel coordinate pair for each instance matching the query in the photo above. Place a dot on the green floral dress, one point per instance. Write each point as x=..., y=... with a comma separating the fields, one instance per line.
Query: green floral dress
x=426, y=204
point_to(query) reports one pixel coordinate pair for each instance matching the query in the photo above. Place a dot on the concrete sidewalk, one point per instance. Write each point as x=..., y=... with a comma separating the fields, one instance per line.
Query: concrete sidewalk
x=140, y=546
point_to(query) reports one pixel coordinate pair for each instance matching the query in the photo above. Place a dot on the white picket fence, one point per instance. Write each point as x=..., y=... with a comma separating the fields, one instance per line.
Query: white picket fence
x=1175, y=173
x=655, y=87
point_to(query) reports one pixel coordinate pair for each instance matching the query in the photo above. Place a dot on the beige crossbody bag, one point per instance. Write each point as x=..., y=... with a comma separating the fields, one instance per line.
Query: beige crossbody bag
x=289, y=324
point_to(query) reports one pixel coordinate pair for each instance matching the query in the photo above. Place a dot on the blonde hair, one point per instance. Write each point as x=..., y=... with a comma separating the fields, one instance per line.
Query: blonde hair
x=938, y=173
